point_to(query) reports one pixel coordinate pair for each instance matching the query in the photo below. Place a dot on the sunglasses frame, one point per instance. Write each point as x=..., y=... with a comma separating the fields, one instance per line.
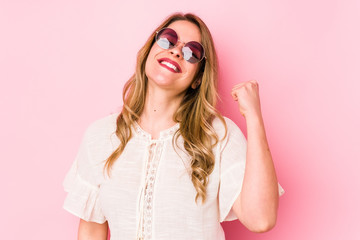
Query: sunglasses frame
x=178, y=40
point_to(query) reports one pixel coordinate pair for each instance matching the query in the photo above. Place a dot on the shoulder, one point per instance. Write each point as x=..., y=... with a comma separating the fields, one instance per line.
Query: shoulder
x=231, y=137
x=234, y=143
x=104, y=126
x=99, y=140
x=231, y=127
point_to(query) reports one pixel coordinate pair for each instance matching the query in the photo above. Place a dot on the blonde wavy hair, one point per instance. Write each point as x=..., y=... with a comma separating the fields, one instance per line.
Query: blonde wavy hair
x=195, y=114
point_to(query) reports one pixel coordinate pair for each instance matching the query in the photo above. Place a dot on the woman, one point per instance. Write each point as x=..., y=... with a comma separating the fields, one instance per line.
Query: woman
x=169, y=166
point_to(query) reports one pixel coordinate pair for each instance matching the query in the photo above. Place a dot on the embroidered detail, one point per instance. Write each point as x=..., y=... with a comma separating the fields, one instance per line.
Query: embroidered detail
x=146, y=204
x=144, y=231
x=163, y=134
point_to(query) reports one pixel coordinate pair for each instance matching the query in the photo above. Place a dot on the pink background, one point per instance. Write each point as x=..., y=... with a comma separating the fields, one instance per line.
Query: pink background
x=63, y=65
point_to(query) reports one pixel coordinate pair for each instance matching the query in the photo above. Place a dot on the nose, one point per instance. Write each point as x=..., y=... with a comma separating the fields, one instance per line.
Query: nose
x=177, y=50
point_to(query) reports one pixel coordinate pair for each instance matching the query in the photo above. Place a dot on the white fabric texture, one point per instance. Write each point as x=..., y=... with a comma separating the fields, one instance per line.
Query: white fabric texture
x=150, y=192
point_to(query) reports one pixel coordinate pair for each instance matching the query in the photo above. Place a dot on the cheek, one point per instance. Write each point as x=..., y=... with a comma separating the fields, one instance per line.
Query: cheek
x=154, y=50
x=192, y=69
x=149, y=61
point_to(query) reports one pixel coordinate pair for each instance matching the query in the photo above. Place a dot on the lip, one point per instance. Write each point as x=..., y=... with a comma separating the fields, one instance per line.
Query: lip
x=172, y=62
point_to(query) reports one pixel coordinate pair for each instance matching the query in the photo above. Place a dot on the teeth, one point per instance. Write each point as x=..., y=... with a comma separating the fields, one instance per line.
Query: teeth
x=169, y=65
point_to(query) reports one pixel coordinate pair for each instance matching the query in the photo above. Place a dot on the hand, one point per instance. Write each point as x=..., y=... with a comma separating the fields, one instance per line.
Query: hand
x=247, y=96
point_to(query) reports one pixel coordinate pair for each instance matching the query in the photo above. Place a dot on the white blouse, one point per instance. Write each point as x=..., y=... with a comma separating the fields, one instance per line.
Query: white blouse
x=150, y=194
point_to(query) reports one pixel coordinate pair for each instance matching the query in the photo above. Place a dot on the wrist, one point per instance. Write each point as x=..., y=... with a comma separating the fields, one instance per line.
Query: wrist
x=253, y=116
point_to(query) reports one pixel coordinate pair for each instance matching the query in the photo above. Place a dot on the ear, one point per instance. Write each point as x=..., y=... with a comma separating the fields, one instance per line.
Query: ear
x=196, y=83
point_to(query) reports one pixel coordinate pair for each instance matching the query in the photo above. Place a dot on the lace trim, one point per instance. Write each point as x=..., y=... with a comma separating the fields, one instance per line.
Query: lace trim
x=146, y=200
x=163, y=134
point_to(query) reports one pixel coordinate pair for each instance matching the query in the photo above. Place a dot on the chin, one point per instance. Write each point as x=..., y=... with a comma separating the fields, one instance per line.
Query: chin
x=160, y=82
x=157, y=77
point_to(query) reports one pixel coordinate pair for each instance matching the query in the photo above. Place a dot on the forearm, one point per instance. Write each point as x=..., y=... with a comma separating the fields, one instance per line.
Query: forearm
x=259, y=196
x=92, y=230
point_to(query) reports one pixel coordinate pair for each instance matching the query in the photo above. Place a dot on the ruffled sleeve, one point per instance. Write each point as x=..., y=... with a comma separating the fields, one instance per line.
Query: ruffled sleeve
x=232, y=170
x=82, y=186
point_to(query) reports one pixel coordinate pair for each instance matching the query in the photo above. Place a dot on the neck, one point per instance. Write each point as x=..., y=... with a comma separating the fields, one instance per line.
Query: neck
x=159, y=109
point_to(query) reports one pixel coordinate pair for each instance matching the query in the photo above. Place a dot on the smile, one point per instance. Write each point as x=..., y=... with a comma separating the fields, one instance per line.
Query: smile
x=170, y=65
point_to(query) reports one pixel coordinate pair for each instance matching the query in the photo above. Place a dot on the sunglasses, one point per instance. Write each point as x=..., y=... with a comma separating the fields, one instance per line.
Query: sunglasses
x=192, y=52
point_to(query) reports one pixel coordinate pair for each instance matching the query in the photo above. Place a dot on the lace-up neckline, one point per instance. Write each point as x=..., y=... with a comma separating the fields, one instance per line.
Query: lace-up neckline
x=169, y=132
x=155, y=148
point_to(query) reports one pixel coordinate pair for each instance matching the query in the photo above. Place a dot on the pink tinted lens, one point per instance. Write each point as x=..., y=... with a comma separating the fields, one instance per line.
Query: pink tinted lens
x=166, y=38
x=193, y=52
